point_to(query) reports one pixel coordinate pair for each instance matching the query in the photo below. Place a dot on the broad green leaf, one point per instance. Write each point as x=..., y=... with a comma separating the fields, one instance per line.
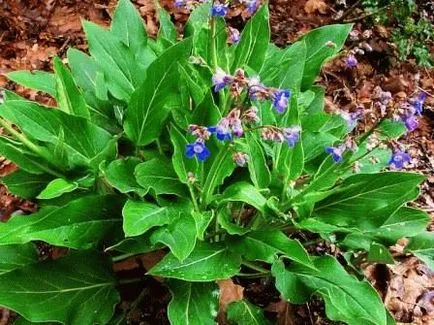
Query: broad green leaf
x=366, y=200
x=193, y=303
x=244, y=192
x=266, y=245
x=243, y=312
x=83, y=279
x=16, y=256
x=121, y=70
x=322, y=44
x=83, y=140
x=253, y=45
x=225, y=220
x=26, y=185
x=379, y=254
x=222, y=166
x=202, y=220
x=167, y=28
x=392, y=129
x=69, y=98
x=39, y=80
x=198, y=19
x=257, y=163
x=128, y=25
x=79, y=224
x=181, y=164
x=6, y=94
x=179, y=236
x=207, y=262
x=148, y=107
x=422, y=246
x=56, y=188
x=160, y=176
x=120, y=174
x=140, y=216
x=135, y=245
x=347, y=299
x=21, y=156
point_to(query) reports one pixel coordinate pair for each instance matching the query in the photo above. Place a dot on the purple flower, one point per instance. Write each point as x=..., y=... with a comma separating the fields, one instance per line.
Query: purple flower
x=234, y=35
x=197, y=149
x=222, y=130
x=219, y=10
x=351, y=61
x=251, y=6
x=280, y=100
x=399, y=159
x=179, y=3
x=251, y=115
x=411, y=122
x=220, y=79
x=351, y=118
x=257, y=91
x=418, y=102
x=336, y=153
x=240, y=158
x=291, y=135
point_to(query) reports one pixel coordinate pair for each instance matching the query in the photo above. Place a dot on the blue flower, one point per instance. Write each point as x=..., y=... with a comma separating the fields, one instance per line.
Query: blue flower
x=411, y=122
x=280, y=100
x=179, y=3
x=221, y=131
x=336, y=153
x=220, y=80
x=197, y=149
x=291, y=135
x=219, y=10
x=351, y=61
x=351, y=118
x=399, y=159
x=418, y=102
x=251, y=6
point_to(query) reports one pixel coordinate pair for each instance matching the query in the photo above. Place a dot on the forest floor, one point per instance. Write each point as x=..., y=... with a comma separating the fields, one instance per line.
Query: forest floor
x=33, y=31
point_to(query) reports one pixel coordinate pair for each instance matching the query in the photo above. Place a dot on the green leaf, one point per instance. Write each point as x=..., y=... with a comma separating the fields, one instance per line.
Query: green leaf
x=366, y=200
x=422, y=246
x=182, y=165
x=16, y=256
x=39, y=80
x=83, y=140
x=56, y=188
x=379, y=254
x=26, y=185
x=21, y=156
x=140, y=216
x=244, y=192
x=202, y=220
x=257, y=164
x=347, y=299
x=242, y=312
x=148, y=107
x=322, y=44
x=135, y=245
x=198, y=19
x=225, y=220
x=392, y=129
x=120, y=174
x=180, y=236
x=128, y=25
x=160, y=176
x=266, y=245
x=121, y=70
x=167, y=28
x=79, y=224
x=69, y=98
x=207, y=262
x=192, y=303
x=222, y=167
x=83, y=279
x=253, y=45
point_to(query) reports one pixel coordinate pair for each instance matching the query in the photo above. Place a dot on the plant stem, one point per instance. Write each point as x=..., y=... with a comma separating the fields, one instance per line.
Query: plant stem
x=119, y=258
x=133, y=280
x=193, y=198
x=255, y=267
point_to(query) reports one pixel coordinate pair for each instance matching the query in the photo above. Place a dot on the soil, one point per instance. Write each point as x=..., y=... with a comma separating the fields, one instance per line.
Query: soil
x=33, y=31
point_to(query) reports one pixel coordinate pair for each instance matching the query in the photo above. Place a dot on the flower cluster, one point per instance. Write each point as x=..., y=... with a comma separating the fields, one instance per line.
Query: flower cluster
x=256, y=91
x=352, y=117
x=399, y=159
x=413, y=110
x=220, y=9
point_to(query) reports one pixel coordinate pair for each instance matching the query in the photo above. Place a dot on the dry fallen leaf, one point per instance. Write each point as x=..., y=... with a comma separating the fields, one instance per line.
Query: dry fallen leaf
x=229, y=292
x=313, y=6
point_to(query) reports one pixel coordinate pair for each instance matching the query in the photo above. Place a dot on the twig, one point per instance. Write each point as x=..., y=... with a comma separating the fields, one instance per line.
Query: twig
x=367, y=15
x=349, y=10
